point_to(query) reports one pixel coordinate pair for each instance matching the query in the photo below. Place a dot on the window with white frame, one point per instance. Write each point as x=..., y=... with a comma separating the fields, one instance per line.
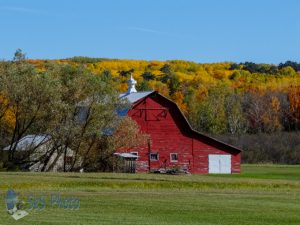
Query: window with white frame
x=154, y=156
x=173, y=157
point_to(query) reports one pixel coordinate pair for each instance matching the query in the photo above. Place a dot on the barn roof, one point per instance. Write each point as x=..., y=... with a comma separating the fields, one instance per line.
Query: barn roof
x=199, y=134
x=29, y=142
x=126, y=155
x=134, y=96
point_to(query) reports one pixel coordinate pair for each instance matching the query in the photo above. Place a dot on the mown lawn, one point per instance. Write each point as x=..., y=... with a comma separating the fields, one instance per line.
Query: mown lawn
x=261, y=194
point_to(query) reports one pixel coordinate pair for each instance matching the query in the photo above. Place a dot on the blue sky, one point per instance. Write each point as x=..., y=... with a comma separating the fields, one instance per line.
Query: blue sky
x=265, y=31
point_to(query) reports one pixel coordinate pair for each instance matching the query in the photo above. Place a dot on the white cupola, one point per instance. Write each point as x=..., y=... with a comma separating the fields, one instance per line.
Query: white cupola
x=131, y=85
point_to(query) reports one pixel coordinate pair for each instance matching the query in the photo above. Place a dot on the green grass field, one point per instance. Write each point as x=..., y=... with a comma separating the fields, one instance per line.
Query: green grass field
x=261, y=194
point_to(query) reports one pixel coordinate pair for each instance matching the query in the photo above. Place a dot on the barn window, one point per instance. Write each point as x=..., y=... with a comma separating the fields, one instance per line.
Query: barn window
x=154, y=156
x=174, y=157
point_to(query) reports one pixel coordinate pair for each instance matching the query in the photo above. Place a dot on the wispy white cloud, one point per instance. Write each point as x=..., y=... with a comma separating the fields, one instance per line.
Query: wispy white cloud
x=21, y=10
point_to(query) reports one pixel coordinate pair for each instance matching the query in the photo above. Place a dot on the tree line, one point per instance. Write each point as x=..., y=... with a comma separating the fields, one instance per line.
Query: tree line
x=48, y=102
x=247, y=104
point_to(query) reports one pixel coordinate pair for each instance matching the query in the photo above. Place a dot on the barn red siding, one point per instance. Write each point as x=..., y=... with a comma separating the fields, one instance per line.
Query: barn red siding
x=170, y=133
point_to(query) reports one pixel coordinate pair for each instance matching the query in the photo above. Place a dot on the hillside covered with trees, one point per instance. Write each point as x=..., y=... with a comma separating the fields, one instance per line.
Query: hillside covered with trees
x=217, y=98
x=253, y=106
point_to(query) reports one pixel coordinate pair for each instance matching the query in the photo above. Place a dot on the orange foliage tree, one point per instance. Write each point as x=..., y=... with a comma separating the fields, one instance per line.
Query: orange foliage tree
x=294, y=99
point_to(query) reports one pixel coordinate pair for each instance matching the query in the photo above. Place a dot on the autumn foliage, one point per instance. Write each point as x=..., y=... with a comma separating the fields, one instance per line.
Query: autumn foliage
x=216, y=97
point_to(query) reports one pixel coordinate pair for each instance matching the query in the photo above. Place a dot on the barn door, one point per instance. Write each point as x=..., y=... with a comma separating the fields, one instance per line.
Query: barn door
x=219, y=163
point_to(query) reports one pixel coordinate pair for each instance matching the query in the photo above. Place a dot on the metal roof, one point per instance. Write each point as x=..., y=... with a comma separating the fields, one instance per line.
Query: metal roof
x=29, y=142
x=126, y=155
x=134, y=96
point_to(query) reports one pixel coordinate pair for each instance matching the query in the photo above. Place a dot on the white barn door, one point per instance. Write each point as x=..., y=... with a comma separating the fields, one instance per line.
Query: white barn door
x=219, y=163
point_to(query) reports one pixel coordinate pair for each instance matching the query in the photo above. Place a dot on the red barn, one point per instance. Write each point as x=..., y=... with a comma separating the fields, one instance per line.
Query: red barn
x=173, y=142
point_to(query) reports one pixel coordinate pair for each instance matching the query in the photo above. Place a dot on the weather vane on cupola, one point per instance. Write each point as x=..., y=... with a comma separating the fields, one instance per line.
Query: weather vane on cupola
x=131, y=85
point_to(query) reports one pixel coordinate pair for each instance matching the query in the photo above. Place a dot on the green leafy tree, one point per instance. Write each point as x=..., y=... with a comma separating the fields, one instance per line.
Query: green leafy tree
x=236, y=121
x=143, y=86
x=147, y=75
x=174, y=84
x=31, y=96
x=87, y=94
x=210, y=112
